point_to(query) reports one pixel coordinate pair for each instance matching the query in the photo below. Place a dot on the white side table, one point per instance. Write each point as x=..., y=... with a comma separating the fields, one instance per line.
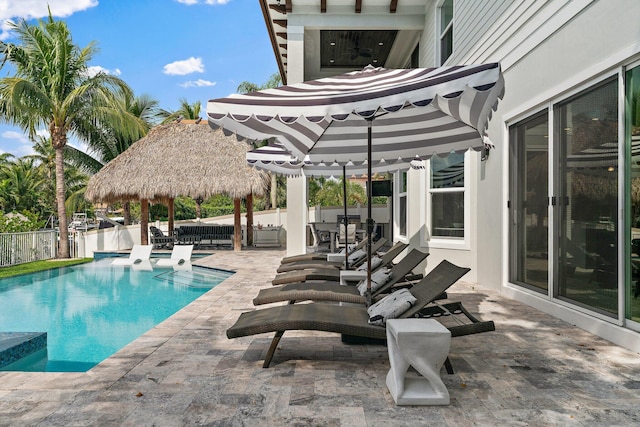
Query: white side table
x=423, y=344
x=352, y=276
x=337, y=257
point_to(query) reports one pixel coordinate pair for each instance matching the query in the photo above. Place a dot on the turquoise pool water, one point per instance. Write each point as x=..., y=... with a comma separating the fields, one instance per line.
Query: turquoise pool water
x=92, y=310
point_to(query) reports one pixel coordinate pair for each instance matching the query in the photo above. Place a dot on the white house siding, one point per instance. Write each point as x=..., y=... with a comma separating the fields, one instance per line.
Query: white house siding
x=472, y=19
x=552, y=56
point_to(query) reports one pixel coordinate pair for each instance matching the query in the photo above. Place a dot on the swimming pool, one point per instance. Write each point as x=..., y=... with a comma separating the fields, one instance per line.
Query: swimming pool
x=90, y=311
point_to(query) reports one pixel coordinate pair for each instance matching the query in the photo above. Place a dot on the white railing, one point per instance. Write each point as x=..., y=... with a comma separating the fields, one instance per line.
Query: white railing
x=18, y=248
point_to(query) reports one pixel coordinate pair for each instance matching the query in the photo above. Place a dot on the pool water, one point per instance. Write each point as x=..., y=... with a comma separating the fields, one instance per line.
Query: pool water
x=90, y=311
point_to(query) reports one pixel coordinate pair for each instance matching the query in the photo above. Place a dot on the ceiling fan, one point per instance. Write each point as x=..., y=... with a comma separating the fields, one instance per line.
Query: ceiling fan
x=357, y=51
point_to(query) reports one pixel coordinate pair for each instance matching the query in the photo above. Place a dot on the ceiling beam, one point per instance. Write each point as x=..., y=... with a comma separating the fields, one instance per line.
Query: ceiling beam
x=280, y=22
x=289, y=5
x=278, y=8
x=393, y=6
x=323, y=6
x=283, y=35
x=358, y=6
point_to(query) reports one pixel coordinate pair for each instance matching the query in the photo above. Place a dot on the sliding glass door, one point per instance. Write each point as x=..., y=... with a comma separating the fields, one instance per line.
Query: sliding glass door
x=529, y=211
x=586, y=198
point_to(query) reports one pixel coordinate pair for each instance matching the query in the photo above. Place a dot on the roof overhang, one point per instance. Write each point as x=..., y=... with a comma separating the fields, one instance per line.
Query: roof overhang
x=359, y=29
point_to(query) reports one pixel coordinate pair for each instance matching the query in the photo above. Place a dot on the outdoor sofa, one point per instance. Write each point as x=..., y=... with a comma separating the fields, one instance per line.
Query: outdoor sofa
x=204, y=235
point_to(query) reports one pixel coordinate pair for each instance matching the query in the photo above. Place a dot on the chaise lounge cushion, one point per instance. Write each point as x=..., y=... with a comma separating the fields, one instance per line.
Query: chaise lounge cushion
x=379, y=278
x=375, y=263
x=356, y=256
x=391, y=307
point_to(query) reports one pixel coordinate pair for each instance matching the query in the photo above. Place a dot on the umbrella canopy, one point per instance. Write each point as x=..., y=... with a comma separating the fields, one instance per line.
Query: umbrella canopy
x=417, y=113
x=274, y=158
x=177, y=159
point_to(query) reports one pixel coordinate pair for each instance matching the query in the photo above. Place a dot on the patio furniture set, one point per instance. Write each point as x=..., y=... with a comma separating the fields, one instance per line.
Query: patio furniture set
x=196, y=235
x=406, y=306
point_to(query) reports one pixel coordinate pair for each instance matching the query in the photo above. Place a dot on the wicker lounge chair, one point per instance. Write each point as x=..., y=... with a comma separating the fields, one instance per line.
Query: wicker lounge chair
x=334, y=291
x=315, y=257
x=331, y=273
x=351, y=320
x=306, y=265
x=159, y=240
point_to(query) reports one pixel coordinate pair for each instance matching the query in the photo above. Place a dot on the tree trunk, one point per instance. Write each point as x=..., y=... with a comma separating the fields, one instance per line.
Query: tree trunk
x=63, y=225
x=250, y=219
x=144, y=222
x=274, y=191
x=126, y=212
x=171, y=214
x=237, y=226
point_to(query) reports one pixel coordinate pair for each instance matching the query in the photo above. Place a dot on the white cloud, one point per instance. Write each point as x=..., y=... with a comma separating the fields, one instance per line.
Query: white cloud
x=197, y=83
x=187, y=66
x=35, y=9
x=95, y=69
x=16, y=136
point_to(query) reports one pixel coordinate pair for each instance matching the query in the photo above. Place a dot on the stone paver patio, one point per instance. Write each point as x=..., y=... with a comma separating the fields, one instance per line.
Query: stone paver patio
x=534, y=370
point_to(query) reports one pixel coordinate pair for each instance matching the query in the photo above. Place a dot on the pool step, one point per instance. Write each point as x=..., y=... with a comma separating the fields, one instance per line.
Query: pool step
x=16, y=345
x=195, y=278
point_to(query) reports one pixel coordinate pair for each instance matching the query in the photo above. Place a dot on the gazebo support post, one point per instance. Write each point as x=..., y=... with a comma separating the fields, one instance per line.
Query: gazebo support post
x=171, y=215
x=250, y=219
x=237, y=227
x=144, y=222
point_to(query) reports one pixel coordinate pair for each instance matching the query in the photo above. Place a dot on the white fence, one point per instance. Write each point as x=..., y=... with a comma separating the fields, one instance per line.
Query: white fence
x=18, y=248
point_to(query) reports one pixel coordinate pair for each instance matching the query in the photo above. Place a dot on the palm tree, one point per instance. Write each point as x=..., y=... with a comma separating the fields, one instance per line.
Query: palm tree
x=52, y=87
x=20, y=186
x=245, y=87
x=111, y=143
x=186, y=111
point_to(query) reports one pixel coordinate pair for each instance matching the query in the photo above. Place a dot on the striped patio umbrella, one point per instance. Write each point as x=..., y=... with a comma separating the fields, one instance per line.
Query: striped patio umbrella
x=276, y=159
x=416, y=113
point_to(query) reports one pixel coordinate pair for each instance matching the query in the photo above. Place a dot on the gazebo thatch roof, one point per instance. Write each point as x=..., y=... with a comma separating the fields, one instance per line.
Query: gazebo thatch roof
x=178, y=159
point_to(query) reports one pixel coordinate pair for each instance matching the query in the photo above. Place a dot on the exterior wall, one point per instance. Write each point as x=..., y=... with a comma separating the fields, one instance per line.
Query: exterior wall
x=563, y=47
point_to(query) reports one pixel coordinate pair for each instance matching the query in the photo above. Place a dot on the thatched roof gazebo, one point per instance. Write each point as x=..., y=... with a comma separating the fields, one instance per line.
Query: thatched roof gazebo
x=185, y=158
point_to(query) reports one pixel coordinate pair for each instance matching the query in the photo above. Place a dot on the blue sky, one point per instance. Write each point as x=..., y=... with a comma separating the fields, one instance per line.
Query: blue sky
x=169, y=49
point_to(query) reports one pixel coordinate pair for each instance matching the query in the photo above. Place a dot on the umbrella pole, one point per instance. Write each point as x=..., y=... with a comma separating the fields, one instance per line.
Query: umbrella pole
x=346, y=217
x=369, y=211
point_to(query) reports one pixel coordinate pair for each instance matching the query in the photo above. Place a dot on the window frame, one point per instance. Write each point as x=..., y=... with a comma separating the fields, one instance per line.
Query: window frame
x=443, y=242
x=442, y=33
x=399, y=192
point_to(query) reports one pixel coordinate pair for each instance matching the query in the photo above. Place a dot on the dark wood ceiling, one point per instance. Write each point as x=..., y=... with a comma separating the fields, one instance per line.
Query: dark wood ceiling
x=352, y=48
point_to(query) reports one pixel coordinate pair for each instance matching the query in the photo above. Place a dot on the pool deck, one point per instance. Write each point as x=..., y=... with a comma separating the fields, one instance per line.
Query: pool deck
x=534, y=370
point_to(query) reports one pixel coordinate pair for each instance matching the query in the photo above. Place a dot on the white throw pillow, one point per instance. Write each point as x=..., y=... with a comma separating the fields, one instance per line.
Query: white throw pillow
x=390, y=307
x=356, y=256
x=379, y=278
x=375, y=263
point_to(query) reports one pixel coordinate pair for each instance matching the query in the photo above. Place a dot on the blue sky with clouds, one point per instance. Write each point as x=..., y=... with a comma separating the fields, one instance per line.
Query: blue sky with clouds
x=169, y=49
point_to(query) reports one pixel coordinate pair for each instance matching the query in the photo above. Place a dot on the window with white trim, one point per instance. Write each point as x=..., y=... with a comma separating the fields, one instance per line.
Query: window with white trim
x=446, y=30
x=447, y=197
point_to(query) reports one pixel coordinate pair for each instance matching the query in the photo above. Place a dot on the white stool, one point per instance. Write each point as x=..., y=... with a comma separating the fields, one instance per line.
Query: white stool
x=423, y=344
